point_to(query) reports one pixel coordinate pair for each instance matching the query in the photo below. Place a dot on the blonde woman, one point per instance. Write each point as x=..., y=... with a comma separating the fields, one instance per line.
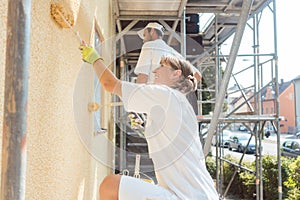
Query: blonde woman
x=171, y=132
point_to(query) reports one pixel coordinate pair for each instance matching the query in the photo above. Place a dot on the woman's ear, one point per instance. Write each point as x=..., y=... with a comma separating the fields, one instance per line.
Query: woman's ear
x=177, y=72
x=198, y=76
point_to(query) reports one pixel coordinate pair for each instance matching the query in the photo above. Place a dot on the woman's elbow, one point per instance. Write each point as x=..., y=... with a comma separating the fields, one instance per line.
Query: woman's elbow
x=112, y=87
x=108, y=87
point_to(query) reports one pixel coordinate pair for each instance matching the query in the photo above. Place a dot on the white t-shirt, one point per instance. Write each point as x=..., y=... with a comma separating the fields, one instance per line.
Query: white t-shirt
x=150, y=56
x=171, y=132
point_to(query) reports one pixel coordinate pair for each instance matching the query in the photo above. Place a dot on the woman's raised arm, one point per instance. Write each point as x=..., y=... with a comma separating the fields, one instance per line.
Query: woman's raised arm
x=107, y=79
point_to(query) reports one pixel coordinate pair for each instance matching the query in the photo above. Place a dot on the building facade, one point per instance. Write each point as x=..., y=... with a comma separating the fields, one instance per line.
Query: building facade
x=288, y=94
x=60, y=159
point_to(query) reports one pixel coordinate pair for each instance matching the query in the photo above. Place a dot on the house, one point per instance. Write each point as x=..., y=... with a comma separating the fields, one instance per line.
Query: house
x=297, y=101
x=287, y=95
x=236, y=96
x=286, y=105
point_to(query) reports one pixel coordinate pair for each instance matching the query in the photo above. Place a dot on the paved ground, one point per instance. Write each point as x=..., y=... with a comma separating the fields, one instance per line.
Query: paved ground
x=273, y=137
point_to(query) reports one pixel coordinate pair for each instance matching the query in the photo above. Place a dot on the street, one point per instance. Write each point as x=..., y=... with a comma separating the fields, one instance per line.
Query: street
x=269, y=148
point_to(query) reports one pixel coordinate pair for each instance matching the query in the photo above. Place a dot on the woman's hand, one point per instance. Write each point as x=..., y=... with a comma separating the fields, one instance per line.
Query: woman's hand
x=89, y=54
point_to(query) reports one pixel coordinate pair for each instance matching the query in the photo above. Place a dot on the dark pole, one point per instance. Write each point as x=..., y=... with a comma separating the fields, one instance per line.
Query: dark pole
x=277, y=108
x=15, y=100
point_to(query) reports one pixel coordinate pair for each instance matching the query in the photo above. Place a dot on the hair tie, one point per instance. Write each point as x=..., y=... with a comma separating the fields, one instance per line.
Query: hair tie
x=191, y=78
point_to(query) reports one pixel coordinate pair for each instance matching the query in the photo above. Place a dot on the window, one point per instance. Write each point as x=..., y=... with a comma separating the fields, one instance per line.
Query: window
x=296, y=146
x=288, y=144
x=97, y=86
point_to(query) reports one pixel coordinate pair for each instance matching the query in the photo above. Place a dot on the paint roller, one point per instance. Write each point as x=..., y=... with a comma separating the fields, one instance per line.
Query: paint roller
x=64, y=19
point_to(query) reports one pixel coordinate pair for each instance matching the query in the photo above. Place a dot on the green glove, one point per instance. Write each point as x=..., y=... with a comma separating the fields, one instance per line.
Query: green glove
x=89, y=54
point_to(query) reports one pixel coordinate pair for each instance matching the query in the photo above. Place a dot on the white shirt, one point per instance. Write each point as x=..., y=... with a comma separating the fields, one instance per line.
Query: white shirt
x=171, y=132
x=150, y=56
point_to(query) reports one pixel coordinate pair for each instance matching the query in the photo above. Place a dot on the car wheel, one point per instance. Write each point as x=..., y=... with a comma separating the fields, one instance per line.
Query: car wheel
x=240, y=149
x=229, y=147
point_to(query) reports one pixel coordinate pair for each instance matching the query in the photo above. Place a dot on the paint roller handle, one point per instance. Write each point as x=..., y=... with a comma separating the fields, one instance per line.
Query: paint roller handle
x=89, y=54
x=82, y=42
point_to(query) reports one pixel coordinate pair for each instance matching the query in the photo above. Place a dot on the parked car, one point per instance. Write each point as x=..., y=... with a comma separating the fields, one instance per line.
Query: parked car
x=297, y=135
x=223, y=139
x=243, y=128
x=239, y=142
x=291, y=148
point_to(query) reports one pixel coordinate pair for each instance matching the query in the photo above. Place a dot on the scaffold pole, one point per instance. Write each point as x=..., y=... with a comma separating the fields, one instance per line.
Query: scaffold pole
x=15, y=100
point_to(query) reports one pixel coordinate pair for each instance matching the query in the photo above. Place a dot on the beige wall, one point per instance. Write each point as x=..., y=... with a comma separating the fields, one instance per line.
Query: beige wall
x=59, y=166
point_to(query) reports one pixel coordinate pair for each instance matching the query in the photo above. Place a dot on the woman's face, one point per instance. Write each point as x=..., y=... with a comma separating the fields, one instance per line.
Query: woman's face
x=166, y=75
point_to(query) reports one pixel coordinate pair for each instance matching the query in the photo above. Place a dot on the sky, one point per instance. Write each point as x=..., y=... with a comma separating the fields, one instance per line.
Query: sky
x=288, y=39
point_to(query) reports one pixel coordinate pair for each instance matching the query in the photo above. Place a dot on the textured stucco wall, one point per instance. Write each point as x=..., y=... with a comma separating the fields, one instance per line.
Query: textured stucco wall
x=58, y=164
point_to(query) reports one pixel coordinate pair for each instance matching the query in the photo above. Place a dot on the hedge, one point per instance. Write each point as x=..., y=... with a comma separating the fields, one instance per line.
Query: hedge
x=243, y=186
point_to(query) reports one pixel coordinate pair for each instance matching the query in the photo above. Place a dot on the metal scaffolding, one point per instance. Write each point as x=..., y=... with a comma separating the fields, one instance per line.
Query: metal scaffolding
x=255, y=120
x=13, y=174
x=230, y=18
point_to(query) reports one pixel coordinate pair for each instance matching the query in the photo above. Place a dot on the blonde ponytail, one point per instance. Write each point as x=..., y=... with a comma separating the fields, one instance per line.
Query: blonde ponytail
x=187, y=82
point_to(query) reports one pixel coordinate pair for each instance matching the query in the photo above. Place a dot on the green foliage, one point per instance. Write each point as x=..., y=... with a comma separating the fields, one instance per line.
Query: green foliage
x=292, y=182
x=244, y=181
x=293, y=194
x=207, y=107
x=236, y=188
x=270, y=177
x=211, y=166
x=209, y=81
x=295, y=172
x=248, y=182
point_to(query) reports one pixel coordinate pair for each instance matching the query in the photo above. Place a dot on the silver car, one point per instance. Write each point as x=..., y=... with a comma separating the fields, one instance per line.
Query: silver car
x=240, y=141
x=223, y=139
x=291, y=148
x=297, y=135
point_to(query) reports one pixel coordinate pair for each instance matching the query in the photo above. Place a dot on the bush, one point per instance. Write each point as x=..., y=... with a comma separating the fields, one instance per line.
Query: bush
x=294, y=178
x=270, y=177
x=211, y=166
x=244, y=185
x=248, y=182
x=292, y=183
x=228, y=172
x=293, y=194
